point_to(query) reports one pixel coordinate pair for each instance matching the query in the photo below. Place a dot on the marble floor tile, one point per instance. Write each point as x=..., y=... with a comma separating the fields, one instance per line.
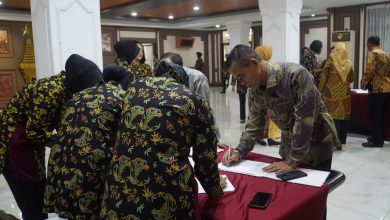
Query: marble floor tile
x=365, y=195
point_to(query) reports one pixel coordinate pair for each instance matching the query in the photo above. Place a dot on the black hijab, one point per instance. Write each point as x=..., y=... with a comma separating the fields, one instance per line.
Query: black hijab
x=81, y=73
x=126, y=50
x=174, y=71
x=117, y=74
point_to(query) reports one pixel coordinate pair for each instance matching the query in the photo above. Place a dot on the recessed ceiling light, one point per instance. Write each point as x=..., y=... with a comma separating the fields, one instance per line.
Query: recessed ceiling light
x=134, y=14
x=313, y=15
x=217, y=26
x=171, y=17
x=196, y=8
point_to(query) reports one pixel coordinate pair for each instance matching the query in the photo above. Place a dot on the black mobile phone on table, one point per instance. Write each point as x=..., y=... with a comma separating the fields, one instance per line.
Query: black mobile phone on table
x=295, y=174
x=260, y=200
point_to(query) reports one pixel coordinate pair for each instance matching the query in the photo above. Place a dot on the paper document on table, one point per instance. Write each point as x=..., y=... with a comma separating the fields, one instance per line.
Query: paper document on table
x=229, y=186
x=254, y=168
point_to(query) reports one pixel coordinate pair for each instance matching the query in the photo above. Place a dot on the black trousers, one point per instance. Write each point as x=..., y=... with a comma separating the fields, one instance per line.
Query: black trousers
x=377, y=103
x=28, y=196
x=342, y=130
x=242, y=105
x=225, y=83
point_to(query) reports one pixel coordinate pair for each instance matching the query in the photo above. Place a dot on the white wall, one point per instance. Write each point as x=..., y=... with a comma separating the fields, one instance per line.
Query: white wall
x=188, y=54
x=318, y=34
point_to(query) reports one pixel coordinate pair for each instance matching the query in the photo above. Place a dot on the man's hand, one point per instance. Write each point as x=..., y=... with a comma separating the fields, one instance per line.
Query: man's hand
x=228, y=160
x=278, y=167
x=222, y=181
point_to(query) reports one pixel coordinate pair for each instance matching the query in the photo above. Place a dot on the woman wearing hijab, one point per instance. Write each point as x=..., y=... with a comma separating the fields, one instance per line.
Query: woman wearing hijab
x=150, y=176
x=83, y=149
x=336, y=91
x=131, y=56
x=26, y=128
x=273, y=132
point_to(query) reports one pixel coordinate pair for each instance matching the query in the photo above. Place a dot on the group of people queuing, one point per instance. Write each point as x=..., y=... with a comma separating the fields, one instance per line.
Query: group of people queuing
x=121, y=142
x=123, y=135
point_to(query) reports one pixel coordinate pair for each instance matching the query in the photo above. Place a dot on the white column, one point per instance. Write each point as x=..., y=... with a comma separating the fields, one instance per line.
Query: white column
x=280, y=20
x=64, y=27
x=238, y=33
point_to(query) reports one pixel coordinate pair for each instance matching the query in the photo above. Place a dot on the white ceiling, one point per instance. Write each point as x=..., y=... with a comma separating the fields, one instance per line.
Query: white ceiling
x=317, y=7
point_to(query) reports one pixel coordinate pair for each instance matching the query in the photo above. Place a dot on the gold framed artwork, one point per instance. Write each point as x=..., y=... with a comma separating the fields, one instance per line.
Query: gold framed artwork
x=6, y=46
x=107, y=42
x=8, y=86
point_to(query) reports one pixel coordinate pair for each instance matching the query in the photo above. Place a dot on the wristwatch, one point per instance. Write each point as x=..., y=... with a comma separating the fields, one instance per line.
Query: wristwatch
x=239, y=152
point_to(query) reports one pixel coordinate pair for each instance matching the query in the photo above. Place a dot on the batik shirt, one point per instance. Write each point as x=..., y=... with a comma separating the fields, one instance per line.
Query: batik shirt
x=310, y=62
x=377, y=71
x=292, y=101
x=138, y=70
x=150, y=176
x=37, y=104
x=335, y=93
x=82, y=151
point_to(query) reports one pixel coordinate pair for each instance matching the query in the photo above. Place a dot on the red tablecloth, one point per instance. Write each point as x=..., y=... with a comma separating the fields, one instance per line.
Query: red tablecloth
x=360, y=122
x=289, y=201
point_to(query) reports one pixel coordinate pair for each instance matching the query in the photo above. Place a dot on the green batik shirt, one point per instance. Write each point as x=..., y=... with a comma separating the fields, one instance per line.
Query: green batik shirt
x=150, y=176
x=137, y=70
x=38, y=104
x=292, y=101
x=82, y=151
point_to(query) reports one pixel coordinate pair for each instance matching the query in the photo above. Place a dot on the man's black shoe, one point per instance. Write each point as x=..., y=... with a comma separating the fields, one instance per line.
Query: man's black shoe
x=261, y=141
x=370, y=139
x=272, y=142
x=223, y=92
x=371, y=144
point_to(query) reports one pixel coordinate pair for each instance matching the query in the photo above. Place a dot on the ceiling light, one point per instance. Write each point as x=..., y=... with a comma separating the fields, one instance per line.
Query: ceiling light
x=313, y=15
x=217, y=26
x=1, y=3
x=171, y=17
x=196, y=8
x=134, y=14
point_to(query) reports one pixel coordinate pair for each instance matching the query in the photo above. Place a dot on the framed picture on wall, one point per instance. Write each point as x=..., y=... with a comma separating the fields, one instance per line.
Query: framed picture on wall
x=6, y=46
x=8, y=86
x=107, y=42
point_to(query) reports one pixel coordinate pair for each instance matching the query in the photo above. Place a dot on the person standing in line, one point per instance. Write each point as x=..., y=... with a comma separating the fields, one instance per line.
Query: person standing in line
x=335, y=89
x=285, y=91
x=199, y=64
x=130, y=55
x=241, y=91
x=225, y=78
x=150, y=176
x=83, y=148
x=26, y=128
x=272, y=131
x=310, y=60
x=376, y=79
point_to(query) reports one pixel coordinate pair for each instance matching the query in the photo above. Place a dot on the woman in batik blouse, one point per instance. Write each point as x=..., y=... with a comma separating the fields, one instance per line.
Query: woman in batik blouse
x=26, y=128
x=335, y=89
x=82, y=151
x=150, y=176
x=131, y=56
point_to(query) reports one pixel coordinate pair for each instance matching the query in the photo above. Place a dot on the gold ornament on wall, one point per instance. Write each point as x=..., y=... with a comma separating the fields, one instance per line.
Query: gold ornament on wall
x=27, y=66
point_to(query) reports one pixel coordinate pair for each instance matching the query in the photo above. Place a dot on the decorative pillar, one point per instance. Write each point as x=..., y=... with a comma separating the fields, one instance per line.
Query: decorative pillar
x=280, y=21
x=238, y=33
x=64, y=27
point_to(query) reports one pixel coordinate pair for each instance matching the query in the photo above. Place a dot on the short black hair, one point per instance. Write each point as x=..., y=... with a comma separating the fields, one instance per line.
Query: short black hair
x=199, y=54
x=375, y=40
x=241, y=54
x=316, y=46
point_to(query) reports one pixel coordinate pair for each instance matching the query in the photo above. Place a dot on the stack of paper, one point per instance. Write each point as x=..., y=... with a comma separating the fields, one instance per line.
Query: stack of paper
x=229, y=187
x=254, y=168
